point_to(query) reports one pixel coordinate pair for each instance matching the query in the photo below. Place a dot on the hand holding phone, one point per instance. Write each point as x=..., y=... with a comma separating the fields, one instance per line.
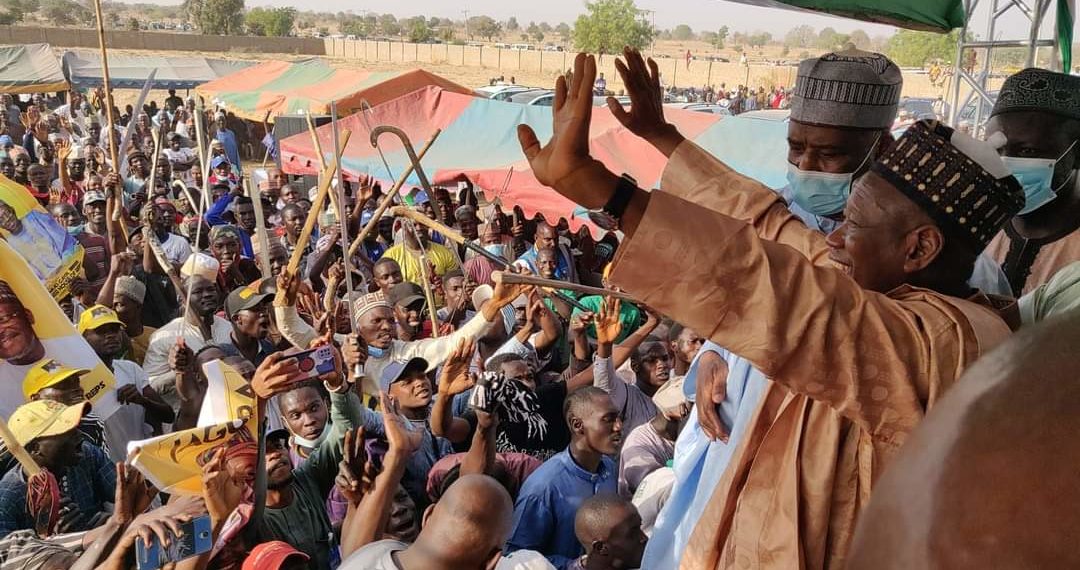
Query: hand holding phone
x=195, y=538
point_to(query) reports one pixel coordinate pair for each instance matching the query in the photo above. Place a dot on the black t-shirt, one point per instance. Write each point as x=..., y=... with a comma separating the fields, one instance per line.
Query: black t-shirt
x=160, y=305
x=542, y=443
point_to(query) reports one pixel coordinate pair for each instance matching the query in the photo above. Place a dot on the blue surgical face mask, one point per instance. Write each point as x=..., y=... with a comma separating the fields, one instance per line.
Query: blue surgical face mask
x=75, y=230
x=498, y=249
x=823, y=193
x=376, y=352
x=1036, y=175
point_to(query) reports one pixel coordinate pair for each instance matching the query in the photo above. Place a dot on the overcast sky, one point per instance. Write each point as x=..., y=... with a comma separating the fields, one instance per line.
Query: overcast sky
x=699, y=14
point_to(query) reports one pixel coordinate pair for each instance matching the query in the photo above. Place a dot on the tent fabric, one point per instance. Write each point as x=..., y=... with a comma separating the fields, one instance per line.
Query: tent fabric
x=929, y=15
x=479, y=143
x=30, y=68
x=286, y=88
x=83, y=70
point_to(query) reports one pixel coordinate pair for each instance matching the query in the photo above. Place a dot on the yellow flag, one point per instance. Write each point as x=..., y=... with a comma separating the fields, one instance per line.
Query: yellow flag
x=173, y=462
x=228, y=395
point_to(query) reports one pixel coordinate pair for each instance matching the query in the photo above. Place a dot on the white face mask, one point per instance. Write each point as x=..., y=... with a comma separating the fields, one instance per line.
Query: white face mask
x=300, y=440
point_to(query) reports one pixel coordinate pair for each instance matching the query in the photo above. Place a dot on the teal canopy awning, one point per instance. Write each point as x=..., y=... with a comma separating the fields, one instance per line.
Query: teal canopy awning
x=929, y=15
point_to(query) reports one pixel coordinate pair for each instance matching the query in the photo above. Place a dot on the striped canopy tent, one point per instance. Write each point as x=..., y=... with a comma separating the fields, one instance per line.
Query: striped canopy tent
x=479, y=143
x=30, y=68
x=285, y=88
x=83, y=70
x=930, y=15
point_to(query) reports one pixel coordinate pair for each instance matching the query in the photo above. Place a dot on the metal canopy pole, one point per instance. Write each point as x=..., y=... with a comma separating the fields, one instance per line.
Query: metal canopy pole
x=979, y=84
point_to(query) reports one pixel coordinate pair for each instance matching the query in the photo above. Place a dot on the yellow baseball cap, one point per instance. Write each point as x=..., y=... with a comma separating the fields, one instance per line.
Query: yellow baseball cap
x=96, y=316
x=44, y=418
x=47, y=372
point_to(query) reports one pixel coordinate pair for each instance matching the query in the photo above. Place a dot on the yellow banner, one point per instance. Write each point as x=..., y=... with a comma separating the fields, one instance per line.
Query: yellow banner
x=54, y=256
x=173, y=462
x=228, y=395
x=36, y=328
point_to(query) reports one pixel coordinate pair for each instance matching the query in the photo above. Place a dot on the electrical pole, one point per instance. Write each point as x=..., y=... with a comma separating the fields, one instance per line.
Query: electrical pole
x=468, y=37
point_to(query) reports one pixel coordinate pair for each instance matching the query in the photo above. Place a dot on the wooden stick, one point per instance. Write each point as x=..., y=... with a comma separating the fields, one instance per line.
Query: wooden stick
x=107, y=86
x=154, y=134
x=517, y=278
x=28, y=464
x=389, y=198
x=316, y=206
x=322, y=159
x=260, y=231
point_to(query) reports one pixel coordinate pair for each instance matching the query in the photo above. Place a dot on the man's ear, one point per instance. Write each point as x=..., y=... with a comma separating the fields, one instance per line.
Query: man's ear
x=924, y=245
x=576, y=425
x=599, y=547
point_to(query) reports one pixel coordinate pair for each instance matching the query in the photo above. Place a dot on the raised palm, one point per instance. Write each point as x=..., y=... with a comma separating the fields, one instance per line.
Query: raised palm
x=563, y=159
x=608, y=324
x=455, y=372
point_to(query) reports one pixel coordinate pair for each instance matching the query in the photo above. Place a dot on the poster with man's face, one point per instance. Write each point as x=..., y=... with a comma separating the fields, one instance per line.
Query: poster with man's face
x=54, y=256
x=32, y=328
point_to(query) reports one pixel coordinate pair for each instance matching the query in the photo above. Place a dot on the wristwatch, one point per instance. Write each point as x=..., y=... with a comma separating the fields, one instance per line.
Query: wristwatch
x=608, y=216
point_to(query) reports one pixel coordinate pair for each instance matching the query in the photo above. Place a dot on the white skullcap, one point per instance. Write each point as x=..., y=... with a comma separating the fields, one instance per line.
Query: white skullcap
x=202, y=265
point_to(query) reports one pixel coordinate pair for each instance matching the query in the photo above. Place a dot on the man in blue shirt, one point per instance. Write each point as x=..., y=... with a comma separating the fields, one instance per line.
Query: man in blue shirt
x=548, y=502
x=228, y=140
x=87, y=479
x=548, y=238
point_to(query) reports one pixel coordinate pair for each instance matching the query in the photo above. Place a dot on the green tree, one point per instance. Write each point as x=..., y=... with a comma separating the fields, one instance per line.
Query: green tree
x=721, y=37
x=388, y=25
x=861, y=39
x=356, y=27
x=800, y=37
x=419, y=31
x=14, y=11
x=66, y=13
x=682, y=33
x=217, y=17
x=830, y=39
x=133, y=24
x=608, y=25
x=485, y=27
x=909, y=48
x=563, y=29
x=535, y=33
x=759, y=39
x=277, y=22
x=545, y=27
x=512, y=24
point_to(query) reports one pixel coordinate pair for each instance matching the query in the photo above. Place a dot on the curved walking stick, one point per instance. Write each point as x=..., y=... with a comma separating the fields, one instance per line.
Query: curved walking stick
x=415, y=160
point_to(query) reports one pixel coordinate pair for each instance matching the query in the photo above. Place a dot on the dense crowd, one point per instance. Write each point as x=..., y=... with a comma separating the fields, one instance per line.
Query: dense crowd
x=718, y=383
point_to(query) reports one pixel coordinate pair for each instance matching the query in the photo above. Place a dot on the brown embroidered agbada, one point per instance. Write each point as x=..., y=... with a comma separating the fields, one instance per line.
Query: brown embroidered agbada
x=852, y=371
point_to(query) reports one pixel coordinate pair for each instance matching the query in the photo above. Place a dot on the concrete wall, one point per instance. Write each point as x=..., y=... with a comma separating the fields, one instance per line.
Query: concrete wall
x=540, y=67
x=160, y=41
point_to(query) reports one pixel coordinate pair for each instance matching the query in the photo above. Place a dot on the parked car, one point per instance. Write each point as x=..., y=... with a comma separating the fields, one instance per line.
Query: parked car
x=541, y=97
x=601, y=101
x=965, y=120
x=502, y=92
x=711, y=108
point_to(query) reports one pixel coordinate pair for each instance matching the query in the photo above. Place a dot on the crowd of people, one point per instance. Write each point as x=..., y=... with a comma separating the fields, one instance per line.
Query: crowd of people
x=754, y=361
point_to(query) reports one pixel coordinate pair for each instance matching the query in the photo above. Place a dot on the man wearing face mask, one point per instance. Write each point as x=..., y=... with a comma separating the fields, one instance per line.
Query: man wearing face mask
x=1038, y=112
x=834, y=136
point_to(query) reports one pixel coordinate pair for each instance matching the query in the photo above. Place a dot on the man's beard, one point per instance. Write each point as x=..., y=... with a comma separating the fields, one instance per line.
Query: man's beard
x=280, y=484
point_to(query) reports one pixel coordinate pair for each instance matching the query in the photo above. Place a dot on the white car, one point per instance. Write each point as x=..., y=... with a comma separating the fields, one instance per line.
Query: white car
x=502, y=92
x=701, y=108
x=540, y=97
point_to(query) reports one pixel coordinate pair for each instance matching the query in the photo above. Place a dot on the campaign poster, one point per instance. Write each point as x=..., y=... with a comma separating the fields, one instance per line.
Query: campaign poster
x=54, y=256
x=173, y=462
x=33, y=327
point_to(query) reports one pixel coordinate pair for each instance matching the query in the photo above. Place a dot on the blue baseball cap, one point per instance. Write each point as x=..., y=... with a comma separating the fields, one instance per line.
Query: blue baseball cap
x=218, y=161
x=400, y=370
x=421, y=197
